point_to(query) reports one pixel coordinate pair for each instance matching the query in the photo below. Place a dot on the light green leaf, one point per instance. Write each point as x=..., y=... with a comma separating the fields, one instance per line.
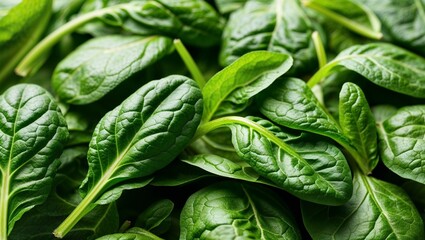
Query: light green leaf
x=243, y=79
x=377, y=210
x=101, y=64
x=383, y=64
x=140, y=136
x=232, y=210
x=358, y=124
x=402, y=142
x=132, y=234
x=275, y=25
x=227, y=6
x=32, y=135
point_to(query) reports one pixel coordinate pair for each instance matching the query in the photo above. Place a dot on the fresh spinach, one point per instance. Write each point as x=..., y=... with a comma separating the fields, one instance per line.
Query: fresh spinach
x=196, y=119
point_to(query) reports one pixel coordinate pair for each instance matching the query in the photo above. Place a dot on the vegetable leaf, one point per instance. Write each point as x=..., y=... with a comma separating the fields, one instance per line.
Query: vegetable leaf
x=100, y=64
x=33, y=133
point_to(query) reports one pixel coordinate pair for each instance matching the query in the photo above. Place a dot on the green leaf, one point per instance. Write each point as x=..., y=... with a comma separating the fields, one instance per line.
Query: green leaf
x=310, y=169
x=403, y=22
x=21, y=25
x=156, y=217
x=243, y=79
x=32, y=132
x=101, y=64
x=358, y=124
x=232, y=210
x=377, y=210
x=402, y=142
x=350, y=14
x=227, y=6
x=132, y=234
x=276, y=25
x=383, y=64
x=140, y=136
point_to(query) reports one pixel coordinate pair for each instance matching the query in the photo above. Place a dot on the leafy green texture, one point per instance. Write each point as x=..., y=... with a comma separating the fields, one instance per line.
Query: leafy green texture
x=402, y=142
x=229, y=90
x=358, y=124
x=100, y=64
x=278, y=26
x=63, y=199
x=156, y=217
x=194, y=22
x=383, y=64
x=226, y=6
x=403, y=22
x=32, y=132
x=310, y=169
x=21, y=24
x=140, y=136
x=350, y=14
x=377, y=210
x=234, y=210
x=132, y=234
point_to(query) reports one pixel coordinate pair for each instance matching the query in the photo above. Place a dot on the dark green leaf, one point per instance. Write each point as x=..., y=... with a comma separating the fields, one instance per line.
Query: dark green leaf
x=402, y=142
x=377, y=210
x=226, y=6
x=243, y=79
x=101, y=64
x=231, y=210
x=156, y=216
x=32, y=134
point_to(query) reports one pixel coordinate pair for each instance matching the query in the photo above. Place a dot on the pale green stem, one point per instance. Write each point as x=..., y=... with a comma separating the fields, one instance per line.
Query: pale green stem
x=322, y=73
x=320, y=49
x=190, y=63
x=32, y=60
x=352, y=25
x=4, y=207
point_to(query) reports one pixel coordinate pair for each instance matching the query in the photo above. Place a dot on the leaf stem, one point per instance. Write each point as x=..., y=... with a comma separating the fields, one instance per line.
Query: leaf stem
x=350, y=24
x=320, y=49
x=4, y=206
x=31, y=62
x=321, y=73
x=190, y=63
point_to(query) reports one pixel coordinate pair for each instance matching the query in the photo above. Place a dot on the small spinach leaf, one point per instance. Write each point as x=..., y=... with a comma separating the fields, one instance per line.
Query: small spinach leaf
x=402, y=142
x=32, y=133
x=235, y=210
x=377, y=210
x=156, y=217
x=100, y=64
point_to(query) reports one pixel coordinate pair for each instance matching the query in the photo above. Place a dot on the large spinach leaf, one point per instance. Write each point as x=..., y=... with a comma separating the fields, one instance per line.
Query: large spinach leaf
x=234, y=210
x=377, y=210
x=99, y=65
x=274, y=25
x=137, y=138
x=32, y=132
x=402, y=142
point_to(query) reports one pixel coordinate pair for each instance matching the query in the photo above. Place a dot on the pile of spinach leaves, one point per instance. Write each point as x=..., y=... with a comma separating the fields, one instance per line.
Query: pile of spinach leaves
x=212, y=119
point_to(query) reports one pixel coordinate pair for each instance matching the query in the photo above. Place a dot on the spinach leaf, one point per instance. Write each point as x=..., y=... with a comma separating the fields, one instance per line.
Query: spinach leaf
x=32, y=132
x=276, y=25
x=403, y=22
x=21, y=25
x=358, y=124
x=402, y=142
x=156, y=217
x=350, y=14
x=137, y=138
x=236, y=84
x=100, y=64
x=234, y=210
x=383, y=64
x=377, y=210
x=227, y=6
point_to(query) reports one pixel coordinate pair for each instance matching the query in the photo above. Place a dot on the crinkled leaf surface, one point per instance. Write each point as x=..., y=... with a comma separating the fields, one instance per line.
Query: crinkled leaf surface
x=232, y=210
x=358, y=124
x=291, y=103
x=402, y=142
x=274, y=25
x=243, y=79
x=377, y=210
x=32, y=134
x=403, y=22
x=101, y=64
x=310, y=169
x=384, y=64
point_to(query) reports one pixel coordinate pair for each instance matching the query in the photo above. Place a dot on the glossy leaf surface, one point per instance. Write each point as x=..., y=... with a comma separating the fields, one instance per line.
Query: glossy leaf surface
x=32, y=134
x=234, y=210
x=402, y=142
x=377, y=210
x=101, y=64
